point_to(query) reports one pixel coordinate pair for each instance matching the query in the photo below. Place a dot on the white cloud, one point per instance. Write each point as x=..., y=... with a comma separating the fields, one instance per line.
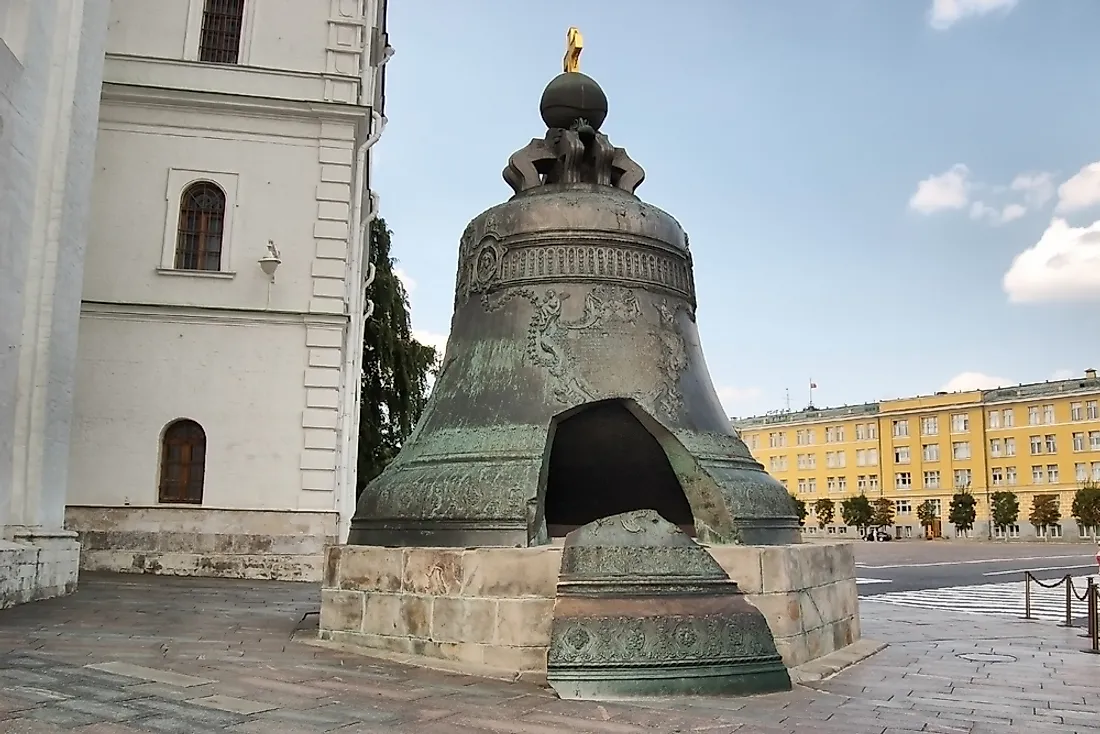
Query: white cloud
x=431, y=338
x=966, y=381
x=1037, y=188
x=948, y=190
x=734, y=397
x=1064, y=265
x=1081, y=191
x=946, y=13
x=994, y=215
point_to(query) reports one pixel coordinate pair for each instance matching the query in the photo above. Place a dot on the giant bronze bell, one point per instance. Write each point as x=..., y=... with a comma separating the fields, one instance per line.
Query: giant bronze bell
x=573, y=385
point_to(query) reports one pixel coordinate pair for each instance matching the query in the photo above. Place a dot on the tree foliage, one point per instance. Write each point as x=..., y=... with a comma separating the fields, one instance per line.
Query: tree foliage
x=962, y=511
x=882, y=512
x=1086, y=505
x=395, y=365
x=857, y=511
x=1044, y=511
x=800, y=509
x=1006, y=508
x=927, y=514
x=825, y=509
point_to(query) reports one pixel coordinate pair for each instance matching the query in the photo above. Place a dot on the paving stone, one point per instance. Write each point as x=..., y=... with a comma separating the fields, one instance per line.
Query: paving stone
x=150, y=674
x=233, y=705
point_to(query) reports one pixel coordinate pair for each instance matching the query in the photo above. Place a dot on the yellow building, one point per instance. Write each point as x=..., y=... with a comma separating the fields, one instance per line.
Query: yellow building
x=1040, y=438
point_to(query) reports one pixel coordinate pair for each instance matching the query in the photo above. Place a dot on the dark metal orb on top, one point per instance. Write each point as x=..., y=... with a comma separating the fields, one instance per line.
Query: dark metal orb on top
x=571, y=96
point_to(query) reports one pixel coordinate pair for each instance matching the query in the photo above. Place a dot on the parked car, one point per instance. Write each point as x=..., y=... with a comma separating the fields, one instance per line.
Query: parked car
x=878, y=535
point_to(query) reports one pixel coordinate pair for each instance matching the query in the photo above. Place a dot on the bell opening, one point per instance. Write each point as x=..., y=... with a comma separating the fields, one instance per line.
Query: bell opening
x=603, y=461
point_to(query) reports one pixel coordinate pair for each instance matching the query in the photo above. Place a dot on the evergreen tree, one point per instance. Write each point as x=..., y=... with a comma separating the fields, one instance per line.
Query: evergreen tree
x=857, y=512
x=800, y=509
x=927, y=515
x=1006, y=510
x=395, y=365
x=1086, y=506
x=1044, y=512
x=825, y=510
x=882, y=514
x=962, y=511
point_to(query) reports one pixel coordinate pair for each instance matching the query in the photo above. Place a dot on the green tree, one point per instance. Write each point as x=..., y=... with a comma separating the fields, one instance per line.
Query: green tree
x=395, y=365
x=825, y=509
x=856, y=512
x=1044, y=512
x=800, y=509
x=882, y=512
x=927, y=514
x=1086, y=506
x=1005, y=509
x=962, y=511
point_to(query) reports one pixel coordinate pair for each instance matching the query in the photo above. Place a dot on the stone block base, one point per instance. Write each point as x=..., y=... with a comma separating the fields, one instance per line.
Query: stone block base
x=198, y=541
x=488, y=611
x=37, y=564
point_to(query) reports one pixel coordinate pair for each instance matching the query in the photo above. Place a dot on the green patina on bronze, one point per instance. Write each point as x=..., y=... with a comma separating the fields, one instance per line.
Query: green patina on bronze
x=575, y=319
x=643, y=611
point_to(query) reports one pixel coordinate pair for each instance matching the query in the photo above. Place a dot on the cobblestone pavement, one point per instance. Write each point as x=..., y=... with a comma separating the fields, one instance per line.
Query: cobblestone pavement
x=157, y=654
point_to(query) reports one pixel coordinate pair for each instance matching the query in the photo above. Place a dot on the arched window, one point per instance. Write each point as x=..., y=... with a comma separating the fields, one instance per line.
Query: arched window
x=220, y=42
x=202, y=220
x=182, y=462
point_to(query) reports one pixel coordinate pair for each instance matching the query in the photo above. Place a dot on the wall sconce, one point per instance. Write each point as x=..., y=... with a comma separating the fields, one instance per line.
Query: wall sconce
x=269, y=263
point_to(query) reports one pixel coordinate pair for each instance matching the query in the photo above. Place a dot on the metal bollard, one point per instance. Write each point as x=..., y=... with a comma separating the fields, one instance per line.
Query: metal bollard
x=1092, y=595
x=1069, y=602
x=1027, y=595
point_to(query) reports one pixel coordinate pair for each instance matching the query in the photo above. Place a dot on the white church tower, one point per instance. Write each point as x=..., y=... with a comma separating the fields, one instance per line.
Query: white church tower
x=223, y=198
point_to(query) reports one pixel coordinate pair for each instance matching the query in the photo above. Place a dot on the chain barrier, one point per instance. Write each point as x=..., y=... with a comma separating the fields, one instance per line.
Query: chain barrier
x=1091, y=598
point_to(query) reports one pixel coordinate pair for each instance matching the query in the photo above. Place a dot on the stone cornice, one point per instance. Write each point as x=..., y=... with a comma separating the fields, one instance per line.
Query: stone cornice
x=204, y=314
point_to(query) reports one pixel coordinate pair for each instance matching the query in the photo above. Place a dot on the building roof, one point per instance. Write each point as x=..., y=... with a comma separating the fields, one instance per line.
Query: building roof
x=1089, y=382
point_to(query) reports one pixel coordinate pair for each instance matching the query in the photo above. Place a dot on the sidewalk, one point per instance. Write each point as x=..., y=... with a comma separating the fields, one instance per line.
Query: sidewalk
x=159, y=654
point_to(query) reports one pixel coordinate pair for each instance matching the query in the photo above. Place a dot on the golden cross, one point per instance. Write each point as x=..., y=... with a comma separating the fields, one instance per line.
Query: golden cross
x=574, y=44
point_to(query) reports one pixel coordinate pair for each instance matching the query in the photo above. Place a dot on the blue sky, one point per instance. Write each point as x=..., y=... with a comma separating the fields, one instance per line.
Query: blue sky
x=888, y=197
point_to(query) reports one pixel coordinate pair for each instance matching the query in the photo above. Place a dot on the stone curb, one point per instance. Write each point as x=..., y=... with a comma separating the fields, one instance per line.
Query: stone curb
x=829, y=665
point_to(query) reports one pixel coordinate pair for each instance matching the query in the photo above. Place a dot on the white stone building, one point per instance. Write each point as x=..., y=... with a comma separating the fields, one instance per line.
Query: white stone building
x=213, y=407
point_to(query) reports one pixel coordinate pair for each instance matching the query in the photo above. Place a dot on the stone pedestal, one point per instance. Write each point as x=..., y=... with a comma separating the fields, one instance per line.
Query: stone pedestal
x=488, y=611
x=37, y=564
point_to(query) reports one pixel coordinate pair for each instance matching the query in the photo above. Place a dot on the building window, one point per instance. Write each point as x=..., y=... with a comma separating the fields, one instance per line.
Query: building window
x=1009, y=418
x=994, y=419
x=182, y=462
x=1096, y=471
x=931, y=480
x=960, y=422
x=901, y=428
x=903, y=507
x=872, y=480
x=201, y=224
x=998, y=475
x=960, y=450
x=220, y=42
x=842, y=484
x=1037, y=474
x=901, y=455
x=929, y=426
x=1081, y=472
x=903, y=480
x=1094, y=440
x=1036, y=444
x=1079, y=442
x=1051, y=443
x=1051, y=531
x=1010, y=476
x=811, y=485
x=1092, y=410
x=931, y=451
x=1048, y=414
x=1033, y=415
x=996, y=446
x=962, y=478
x=1052, y=473
x=1010, y=447
x=1012, y=531
x=1076, y=412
